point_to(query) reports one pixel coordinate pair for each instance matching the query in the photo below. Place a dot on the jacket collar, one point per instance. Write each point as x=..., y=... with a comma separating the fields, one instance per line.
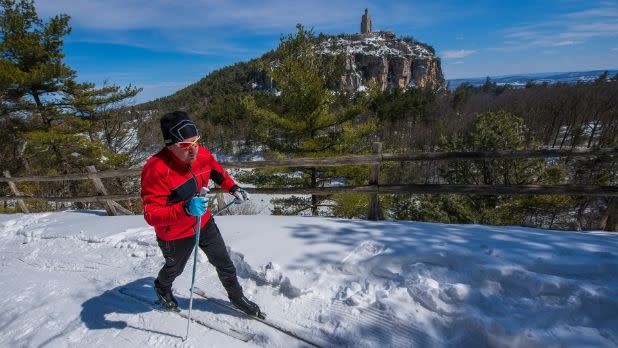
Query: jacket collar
x=175, y=161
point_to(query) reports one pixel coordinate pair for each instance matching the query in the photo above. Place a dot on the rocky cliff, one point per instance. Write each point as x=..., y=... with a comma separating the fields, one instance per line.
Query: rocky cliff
x=377, y=58
x=385, y=60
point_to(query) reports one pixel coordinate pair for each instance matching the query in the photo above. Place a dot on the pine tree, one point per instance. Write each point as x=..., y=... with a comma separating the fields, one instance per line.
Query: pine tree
x=56, y=118
x=37, y=85
x=307, y=120
x=496, y=131
x=491, y=131
x=603, y=77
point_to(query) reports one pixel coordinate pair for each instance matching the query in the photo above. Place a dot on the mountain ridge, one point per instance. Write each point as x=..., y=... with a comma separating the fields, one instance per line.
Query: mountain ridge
x=543, y=77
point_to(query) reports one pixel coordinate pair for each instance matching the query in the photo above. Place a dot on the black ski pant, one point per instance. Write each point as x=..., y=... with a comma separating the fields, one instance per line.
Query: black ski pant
x=177, y=252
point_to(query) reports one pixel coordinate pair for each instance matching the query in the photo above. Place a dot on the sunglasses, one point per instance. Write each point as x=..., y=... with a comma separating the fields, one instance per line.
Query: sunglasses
x=185, y=145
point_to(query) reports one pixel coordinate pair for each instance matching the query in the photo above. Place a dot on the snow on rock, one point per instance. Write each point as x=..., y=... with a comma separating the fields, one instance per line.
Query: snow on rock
x=345, y=282
x=384, y=61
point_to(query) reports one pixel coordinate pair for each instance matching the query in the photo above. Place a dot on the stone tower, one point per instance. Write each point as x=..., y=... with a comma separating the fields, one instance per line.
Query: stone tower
x=366, y=23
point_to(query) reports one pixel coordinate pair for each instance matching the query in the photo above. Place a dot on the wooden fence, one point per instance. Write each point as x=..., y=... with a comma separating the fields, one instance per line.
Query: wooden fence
x=373, y=189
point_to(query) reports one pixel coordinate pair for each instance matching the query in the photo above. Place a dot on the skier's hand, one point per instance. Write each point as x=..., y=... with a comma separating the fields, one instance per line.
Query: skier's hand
x=196, y=206
x=240, y=195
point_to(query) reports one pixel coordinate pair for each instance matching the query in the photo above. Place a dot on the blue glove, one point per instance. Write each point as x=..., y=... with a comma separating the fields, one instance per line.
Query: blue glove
x=196, y=206
x=240, y=195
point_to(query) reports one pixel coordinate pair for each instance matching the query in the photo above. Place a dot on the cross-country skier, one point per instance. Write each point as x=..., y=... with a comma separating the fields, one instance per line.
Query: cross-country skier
x=171, y=181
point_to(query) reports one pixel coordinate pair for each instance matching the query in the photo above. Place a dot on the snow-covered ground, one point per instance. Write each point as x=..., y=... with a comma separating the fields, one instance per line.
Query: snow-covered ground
x=346, y=282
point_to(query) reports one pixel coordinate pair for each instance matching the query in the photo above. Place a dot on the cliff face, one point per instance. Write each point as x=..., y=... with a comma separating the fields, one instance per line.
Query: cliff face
x=384, y=60
x=377, y=58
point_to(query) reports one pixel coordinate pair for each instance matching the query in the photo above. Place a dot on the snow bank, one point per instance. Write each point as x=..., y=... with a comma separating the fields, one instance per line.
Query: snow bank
x=347, y=282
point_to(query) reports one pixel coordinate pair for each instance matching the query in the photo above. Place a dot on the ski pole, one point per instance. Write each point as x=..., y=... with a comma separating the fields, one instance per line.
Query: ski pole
x=198, y=225
x=225, y=207
x=222, y=209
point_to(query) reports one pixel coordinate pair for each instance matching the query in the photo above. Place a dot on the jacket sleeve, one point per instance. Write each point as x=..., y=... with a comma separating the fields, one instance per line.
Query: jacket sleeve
x=157, y=212
x=220, y=176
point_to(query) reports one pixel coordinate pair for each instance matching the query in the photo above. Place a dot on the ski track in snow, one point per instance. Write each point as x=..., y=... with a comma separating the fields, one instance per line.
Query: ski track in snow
x=489, y=288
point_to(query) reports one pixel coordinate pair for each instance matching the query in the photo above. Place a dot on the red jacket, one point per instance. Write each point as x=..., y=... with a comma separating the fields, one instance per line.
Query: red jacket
x=167, y=183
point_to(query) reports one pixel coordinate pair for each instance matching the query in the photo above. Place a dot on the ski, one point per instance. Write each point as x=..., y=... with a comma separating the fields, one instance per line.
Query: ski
x=264, y=321
x=235, y=333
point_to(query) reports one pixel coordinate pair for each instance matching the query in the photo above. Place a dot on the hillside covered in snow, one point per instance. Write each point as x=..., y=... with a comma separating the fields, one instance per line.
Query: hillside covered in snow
x=342, y=282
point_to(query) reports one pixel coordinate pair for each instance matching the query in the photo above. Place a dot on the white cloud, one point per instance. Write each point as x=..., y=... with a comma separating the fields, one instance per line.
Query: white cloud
x=262, y=15
x=225, y=27
x=222, y=27
x=565, y=30
x=457, y=54
x=550, y=51
x=607, y=9
x=259, y=17
x=565, y=43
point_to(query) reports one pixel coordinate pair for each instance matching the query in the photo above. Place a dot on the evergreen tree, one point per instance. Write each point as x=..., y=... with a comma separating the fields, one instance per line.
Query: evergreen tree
x=603, y=77
x=488, y=86
x=55, y=117
x=495, y=131
x=490, y=131
x=307, y=119
x=462, y=94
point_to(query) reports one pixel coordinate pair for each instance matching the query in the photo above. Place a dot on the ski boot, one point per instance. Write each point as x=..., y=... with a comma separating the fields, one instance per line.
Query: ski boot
x=166, y=298
x=247, y=306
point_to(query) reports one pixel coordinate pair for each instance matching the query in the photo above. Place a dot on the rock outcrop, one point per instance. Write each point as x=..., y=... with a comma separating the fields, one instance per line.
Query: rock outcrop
x=381, y=59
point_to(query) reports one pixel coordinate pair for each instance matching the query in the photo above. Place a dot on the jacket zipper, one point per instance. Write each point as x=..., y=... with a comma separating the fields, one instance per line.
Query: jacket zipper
x=197, y=189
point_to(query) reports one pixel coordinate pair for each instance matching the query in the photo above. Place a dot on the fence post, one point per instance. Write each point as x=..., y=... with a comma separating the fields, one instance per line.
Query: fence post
x=98, y=184
x=220, y=200
x=609, y=220
x=219, y=196
x=16, y=192
x=375, y=210
x=121, y=208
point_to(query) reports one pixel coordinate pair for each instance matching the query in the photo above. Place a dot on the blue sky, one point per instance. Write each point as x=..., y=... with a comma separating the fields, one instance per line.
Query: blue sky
x=165, y=45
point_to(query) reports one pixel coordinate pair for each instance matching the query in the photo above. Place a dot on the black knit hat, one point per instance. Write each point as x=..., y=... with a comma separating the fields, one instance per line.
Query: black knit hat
x=177, y=126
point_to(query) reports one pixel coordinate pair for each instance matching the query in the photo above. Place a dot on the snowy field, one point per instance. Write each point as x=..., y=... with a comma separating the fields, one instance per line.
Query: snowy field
x=343, y=282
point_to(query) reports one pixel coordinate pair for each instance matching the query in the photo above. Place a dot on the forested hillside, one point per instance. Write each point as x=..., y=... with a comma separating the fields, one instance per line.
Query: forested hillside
x=304, y=118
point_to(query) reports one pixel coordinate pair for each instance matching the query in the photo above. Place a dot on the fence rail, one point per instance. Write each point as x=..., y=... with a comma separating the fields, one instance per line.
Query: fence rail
x=578, y=190
x=373, y=189
x=342, y=161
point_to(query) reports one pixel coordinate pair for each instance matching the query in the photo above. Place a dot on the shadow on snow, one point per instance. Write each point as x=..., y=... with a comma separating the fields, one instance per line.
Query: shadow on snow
x=97, y=310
